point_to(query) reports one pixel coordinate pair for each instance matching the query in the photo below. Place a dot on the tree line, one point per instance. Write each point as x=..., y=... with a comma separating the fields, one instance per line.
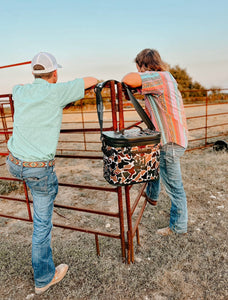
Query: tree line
x=192, y=91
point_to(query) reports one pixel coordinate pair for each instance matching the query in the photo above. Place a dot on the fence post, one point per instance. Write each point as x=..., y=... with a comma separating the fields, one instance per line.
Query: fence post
x=206, y=114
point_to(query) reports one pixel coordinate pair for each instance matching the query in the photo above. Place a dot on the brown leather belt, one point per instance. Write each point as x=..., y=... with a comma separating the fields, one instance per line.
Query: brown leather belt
x=31, y=164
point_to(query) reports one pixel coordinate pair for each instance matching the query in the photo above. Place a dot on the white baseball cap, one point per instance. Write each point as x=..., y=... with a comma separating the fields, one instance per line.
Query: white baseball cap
x=46, y=60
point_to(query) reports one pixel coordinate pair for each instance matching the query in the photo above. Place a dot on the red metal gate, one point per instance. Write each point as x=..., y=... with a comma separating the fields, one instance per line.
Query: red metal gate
x=84, y=144
x=124, y=214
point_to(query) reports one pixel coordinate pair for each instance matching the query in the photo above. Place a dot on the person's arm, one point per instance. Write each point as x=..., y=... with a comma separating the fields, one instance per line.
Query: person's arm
x=132, y=79
x=74, y=90
x=89, y=81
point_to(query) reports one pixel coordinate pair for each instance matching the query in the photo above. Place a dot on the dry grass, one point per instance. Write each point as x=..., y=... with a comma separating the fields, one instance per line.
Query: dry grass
x=175, y=267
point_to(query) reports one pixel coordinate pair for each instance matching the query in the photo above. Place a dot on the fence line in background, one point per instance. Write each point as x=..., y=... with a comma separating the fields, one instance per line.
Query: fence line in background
x=79, y=138
x=203, y=131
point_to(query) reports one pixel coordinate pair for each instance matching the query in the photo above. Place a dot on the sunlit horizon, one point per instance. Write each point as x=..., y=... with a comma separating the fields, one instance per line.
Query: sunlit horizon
x=102, y=38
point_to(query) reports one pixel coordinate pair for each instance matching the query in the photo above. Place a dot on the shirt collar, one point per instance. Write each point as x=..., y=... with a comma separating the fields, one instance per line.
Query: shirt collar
x=40, y=81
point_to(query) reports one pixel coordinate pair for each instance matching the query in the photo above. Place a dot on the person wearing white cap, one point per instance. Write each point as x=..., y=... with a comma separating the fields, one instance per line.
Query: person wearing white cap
x=37, y=120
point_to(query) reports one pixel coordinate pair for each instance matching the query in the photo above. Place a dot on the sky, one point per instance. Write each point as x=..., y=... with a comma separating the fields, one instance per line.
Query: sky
x=101, y=38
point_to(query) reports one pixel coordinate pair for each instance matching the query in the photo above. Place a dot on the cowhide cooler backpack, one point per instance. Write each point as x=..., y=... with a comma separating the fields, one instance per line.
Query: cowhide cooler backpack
x=130, y=156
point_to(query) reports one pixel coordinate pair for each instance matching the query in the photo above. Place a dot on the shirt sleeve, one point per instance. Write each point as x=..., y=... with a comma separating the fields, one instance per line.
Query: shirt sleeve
x=16, y=88
x=70, y=91
x=151, y=83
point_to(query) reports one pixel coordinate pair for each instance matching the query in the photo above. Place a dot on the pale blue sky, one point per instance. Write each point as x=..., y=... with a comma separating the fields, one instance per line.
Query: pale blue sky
x=101, y=38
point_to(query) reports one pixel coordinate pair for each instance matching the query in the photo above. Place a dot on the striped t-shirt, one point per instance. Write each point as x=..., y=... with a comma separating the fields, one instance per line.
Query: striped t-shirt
x=165, y=107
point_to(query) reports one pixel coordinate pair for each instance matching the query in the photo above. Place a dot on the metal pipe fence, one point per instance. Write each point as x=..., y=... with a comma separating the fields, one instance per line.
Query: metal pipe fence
x=207, y=121
x=80, y=139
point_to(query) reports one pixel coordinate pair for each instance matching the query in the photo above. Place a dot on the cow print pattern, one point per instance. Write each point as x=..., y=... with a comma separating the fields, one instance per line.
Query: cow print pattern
x=130, y=165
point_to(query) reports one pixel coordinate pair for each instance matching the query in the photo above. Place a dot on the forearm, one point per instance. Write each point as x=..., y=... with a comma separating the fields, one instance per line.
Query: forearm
x=132, y=79
x=89, y=81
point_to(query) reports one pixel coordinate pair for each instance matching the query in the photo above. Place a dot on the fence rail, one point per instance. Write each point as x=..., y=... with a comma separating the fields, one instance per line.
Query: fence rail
x=207, y=121
x=80, y=139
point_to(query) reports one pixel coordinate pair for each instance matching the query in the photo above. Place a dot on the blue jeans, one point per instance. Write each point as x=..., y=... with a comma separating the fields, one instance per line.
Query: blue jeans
x=170, y=174
x=43, y=184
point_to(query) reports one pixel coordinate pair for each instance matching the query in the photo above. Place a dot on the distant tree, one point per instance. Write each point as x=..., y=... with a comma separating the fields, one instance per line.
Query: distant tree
x=217, y=95
x=185, y=82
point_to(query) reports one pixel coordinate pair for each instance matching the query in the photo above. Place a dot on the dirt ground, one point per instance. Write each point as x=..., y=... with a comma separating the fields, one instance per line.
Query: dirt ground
x=174, y=267
x=166, y=268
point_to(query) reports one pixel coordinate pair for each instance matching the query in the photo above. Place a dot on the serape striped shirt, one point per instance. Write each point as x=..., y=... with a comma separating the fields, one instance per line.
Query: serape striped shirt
x=164, y=106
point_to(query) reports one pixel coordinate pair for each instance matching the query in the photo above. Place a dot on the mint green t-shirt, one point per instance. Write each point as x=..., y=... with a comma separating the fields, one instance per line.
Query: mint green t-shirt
x=38, y=116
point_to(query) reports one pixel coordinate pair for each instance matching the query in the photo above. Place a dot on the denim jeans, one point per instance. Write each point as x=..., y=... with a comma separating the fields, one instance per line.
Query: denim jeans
x=43, y=184
x=170, y=174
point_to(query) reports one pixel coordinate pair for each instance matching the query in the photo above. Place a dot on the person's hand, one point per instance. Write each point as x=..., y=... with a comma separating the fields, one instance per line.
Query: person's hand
x=89, y=82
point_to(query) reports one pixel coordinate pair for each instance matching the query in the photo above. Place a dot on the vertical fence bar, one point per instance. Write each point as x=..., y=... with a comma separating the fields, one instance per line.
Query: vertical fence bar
x=121, y=220
x=137, y=236
x=4, y=123
x=206, y=118
x=83, y=124
x=129, y=223
x=97, y=245
x=120, y=106
x=113, y=104
x=119, y=189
